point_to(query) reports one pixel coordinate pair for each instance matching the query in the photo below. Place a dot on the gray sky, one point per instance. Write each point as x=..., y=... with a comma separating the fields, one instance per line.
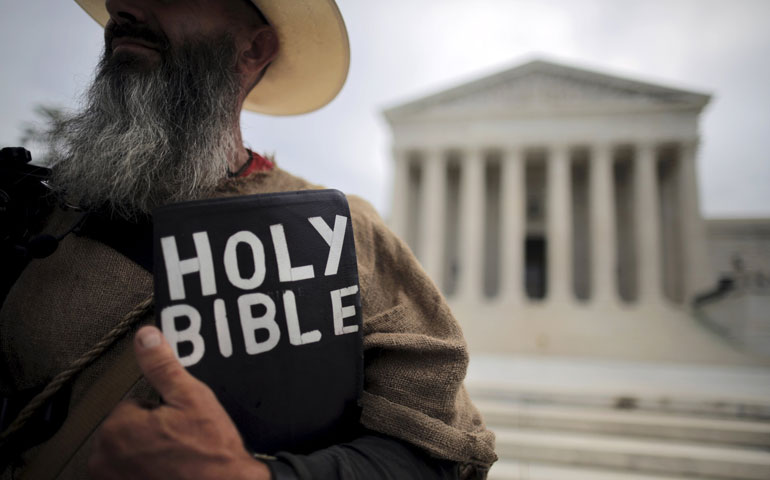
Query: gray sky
x=403, y=49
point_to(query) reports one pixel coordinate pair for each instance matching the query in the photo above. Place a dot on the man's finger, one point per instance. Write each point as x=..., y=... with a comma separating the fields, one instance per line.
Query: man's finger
x=162, y=369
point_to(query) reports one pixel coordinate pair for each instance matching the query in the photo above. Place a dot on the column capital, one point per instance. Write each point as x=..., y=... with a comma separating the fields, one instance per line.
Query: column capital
x=558, y=151
x=473, y=155
x=648, y=145
x=469, y=150
x=433, y=154
x=513, y=150
x=604, y=145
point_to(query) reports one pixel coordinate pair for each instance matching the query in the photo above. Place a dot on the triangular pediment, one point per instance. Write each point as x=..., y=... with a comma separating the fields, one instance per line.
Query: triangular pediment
x=540, y=86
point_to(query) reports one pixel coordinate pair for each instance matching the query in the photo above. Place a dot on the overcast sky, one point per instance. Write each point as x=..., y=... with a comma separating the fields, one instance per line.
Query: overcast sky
x=404, y=49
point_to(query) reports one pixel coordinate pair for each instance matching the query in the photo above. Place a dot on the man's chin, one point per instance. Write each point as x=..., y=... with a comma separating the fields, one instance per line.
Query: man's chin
x=132, y=59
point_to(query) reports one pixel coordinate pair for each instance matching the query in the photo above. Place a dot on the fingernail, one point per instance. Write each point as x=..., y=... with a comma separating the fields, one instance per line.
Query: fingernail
x=149, y=338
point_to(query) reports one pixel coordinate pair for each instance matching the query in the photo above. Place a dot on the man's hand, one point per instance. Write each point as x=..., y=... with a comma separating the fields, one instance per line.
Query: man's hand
x=189, y=437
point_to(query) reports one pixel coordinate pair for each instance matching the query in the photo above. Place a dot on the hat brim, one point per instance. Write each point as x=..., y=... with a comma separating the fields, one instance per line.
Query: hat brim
x=313, y=57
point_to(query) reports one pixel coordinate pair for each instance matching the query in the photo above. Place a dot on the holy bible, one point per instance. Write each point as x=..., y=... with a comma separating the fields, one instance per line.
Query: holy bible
x=258, y=296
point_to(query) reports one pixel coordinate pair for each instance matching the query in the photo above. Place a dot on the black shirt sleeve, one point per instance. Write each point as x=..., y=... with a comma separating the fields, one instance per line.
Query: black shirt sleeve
x=370, y=457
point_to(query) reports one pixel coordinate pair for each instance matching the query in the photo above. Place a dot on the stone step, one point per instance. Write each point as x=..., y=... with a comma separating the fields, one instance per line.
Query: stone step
x=513, y=470
x=652, y=457
x=633, y=423
x=726, y=406
x=709, y=390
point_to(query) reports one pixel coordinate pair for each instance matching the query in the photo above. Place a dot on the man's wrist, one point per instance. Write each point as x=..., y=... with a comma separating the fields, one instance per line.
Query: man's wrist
x=253, y=469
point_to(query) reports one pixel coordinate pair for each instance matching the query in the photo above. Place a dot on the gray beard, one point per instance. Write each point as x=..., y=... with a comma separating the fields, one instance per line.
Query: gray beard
x=150, y=136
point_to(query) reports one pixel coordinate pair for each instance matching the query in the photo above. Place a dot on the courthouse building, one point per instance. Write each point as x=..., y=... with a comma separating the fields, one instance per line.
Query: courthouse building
x=557, y=209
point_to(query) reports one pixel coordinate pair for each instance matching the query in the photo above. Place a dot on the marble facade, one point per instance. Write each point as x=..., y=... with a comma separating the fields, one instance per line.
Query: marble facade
x=554, y=206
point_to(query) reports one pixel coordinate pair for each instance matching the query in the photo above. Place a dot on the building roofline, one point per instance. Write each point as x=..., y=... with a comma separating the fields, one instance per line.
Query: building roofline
x=697, y=99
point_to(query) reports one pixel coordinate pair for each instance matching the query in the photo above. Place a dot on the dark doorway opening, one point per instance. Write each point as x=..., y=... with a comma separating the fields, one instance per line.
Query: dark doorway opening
x=535, y=267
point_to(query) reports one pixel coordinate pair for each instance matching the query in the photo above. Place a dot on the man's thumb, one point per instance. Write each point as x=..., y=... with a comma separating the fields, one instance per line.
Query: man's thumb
x=162, y=369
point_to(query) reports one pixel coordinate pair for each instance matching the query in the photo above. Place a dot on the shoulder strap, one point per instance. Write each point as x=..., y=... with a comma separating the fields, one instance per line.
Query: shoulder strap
x=133, y=239
x=84, y=417
x=25, y=203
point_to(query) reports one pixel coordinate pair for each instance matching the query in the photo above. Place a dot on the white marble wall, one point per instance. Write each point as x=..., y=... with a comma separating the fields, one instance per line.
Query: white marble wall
x=628, y=237
x=652, y=206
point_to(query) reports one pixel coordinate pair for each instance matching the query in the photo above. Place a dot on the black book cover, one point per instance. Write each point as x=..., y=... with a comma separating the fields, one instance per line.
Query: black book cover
x=259, y=297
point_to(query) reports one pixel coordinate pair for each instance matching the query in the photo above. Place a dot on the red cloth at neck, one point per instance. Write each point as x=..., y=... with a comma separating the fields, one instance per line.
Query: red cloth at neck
x=257, y=163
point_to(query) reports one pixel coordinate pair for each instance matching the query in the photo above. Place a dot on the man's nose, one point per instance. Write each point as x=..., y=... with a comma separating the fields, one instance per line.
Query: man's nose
x=127, y=11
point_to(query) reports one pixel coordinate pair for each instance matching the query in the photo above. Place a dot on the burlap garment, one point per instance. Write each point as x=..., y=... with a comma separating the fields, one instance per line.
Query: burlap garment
x=414, y=352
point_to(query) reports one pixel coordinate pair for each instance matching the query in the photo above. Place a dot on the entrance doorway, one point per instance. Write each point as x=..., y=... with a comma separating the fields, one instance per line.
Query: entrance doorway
x=535, y=278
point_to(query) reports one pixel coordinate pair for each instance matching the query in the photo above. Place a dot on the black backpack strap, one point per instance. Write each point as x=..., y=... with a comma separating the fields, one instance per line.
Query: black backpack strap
x=25, y=203
x=132, y=239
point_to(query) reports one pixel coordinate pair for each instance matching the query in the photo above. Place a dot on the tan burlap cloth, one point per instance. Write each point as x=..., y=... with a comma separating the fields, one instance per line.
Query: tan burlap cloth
x=414, y=352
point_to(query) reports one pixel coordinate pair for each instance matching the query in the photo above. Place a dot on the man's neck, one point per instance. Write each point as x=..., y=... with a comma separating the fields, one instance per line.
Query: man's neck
x=240, y=156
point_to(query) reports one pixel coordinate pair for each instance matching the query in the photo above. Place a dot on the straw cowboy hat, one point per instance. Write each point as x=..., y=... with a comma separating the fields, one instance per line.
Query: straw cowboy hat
x=312, y=61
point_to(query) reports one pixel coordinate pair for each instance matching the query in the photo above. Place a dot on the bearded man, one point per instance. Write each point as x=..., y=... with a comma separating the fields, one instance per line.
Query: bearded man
x=161, y=125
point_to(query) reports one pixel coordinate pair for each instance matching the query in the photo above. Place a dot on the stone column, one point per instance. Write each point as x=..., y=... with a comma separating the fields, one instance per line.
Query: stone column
x=698, y=275
x=471, y=225
x=604, y=288
x=559, y=225
x=513, y=219
x=433, y=204
x=398, y=214
x=650, y=286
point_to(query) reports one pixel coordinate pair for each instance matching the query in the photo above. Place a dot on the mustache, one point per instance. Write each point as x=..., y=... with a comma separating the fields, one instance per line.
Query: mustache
x=141, y=32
